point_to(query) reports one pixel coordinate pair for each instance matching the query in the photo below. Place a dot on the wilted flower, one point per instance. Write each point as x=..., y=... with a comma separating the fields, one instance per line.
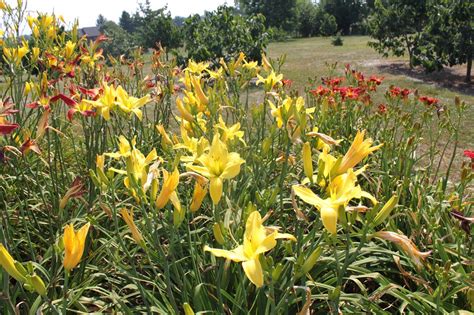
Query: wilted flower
x=406, y=245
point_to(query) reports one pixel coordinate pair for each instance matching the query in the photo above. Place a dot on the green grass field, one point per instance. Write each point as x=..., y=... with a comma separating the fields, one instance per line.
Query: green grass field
x=312, y=58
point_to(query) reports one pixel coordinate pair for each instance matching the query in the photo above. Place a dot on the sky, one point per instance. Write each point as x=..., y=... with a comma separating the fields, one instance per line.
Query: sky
x=88, y=10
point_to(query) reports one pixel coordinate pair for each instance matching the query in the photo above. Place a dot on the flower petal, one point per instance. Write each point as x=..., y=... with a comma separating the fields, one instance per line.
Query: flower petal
x=253, y=270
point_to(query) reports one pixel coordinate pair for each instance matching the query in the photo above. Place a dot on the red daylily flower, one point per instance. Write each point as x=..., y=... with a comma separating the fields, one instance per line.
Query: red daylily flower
x=429, y=100
x=7, y=128
x=469, y=154
x=320, y=91
x=382, y=109
x=287, y=82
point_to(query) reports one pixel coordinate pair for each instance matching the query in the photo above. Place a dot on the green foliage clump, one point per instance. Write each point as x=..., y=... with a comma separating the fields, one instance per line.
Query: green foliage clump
x=119, y=42
x=314, y=21
x=337, y=40
x=222, y=33
x=278, y=13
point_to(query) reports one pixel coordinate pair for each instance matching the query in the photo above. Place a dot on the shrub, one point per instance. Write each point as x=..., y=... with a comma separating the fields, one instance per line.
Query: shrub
x=337, y=40
x=222, y=33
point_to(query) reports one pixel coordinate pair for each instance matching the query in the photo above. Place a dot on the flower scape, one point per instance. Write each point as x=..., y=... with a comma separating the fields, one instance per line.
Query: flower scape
x=166, y=190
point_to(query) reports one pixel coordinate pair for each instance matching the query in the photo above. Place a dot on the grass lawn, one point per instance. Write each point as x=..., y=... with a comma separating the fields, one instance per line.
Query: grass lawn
x=312, y=57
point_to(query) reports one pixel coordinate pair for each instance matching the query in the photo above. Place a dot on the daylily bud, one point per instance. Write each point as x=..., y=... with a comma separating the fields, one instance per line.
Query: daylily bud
x=187, y=309
x=266, y=145
x=8, y=264
x=276, y=273
x=307, y=161
x=38, y=284
x=311, y=260
x=216, y=228
x=127, y=216
x=386, y=210
x=36, y=52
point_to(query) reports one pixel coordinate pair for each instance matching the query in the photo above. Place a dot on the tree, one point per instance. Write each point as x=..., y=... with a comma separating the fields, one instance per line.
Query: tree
x=278, y=13
x=127, y=22
x=157, y=26
x=397, y=27
x=223, y=33
x=119, y=42
x=448, y=38
x=314, y=21
x=100, y=21
x=346, y=12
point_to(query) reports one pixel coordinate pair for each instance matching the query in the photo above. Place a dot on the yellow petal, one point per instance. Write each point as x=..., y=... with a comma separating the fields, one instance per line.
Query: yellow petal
x=236, y=255
x=307, y=161
x=216, y=189
x=253, y=270
x=329, y=218
x=308, y=196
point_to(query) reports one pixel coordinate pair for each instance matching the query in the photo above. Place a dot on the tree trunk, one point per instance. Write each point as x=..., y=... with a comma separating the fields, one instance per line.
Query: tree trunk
x=469, y=68
x=410, y=51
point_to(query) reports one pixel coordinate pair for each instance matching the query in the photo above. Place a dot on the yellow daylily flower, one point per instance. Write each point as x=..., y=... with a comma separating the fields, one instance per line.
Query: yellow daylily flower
x=8, y=264
x=196, y=67
x=125, y=149
x=358, y=151
x=137, y=166
x=291, y=109
x=69, y=49
x=216, y=74
x=341, y=191
x=170, y=183
x=164, y=136
x=15, y=55
x=193, y=145
x=257, y=240
x=196, y=83
x=127, y=216
x=106, y=102
x=252, y=65
x=74, y=245
x=218, y=165
x=230, y=133
x=270, y=81
x=328, y=161
x=129, y=104
x=199, y=193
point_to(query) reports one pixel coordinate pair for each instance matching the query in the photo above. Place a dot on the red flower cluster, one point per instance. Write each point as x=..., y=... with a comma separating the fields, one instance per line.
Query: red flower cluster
x=320, y=91
x=430, y=101
x=396, y=92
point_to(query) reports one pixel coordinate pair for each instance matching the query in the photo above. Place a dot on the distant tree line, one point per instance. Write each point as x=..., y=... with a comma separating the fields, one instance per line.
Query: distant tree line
x=434, y=33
